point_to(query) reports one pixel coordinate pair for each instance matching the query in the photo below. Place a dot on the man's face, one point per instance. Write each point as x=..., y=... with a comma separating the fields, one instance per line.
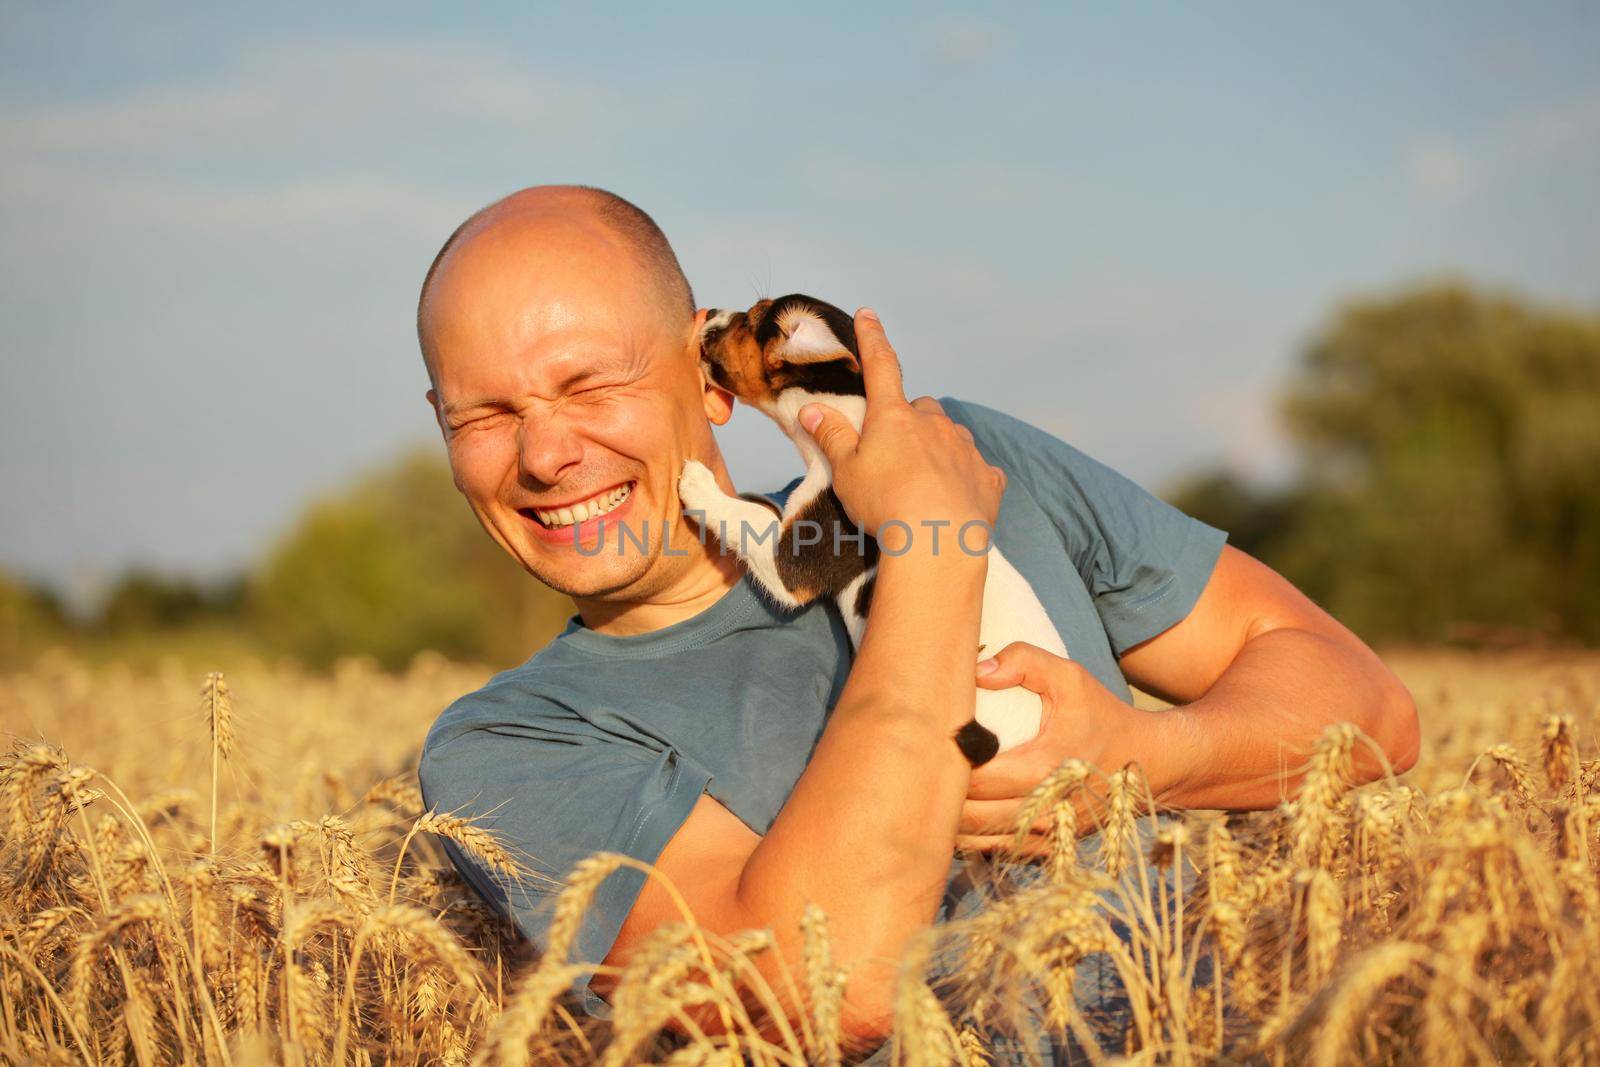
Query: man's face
x=568, y=402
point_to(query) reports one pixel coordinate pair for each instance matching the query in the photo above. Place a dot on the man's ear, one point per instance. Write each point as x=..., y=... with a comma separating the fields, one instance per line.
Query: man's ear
x=716, y=401
x=438, y=419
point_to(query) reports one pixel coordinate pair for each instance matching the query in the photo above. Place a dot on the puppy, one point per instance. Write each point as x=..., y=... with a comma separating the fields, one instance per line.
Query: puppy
x=777, y=357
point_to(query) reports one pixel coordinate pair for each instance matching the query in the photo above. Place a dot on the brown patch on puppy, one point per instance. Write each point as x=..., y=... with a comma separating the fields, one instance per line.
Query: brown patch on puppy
x=807, y=562
x=729, y=349
x=780, y=344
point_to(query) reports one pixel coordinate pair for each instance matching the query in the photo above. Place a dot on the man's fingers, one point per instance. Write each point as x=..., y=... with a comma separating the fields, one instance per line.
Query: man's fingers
x=928, y=404
x=1008, y=776
x=832, y=431
x=990, y=817
x=880, y=367
x=1032, y=846
x=1020, y=663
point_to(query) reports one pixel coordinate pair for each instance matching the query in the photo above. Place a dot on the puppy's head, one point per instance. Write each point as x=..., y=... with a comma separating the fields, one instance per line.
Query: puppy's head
x=792, y=342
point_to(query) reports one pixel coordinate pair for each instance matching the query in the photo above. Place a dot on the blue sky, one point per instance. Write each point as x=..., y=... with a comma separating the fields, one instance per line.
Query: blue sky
x=1119, y=222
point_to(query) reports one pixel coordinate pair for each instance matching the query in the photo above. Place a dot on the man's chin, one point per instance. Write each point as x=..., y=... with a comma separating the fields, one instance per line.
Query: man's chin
x=596, y=581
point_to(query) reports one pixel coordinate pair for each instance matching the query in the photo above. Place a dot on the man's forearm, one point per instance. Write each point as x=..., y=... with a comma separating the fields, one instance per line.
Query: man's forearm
x=1243, y=744
x=868, y=831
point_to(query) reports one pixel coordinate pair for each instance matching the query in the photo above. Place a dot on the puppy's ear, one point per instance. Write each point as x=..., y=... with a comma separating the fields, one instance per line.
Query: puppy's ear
x=807, y=338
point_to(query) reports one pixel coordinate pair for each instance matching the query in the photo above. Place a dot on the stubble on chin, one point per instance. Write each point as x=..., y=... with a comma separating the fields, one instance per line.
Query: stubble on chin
x=615, y=579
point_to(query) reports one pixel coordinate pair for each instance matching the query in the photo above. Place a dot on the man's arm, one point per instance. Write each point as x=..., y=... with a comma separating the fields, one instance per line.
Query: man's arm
x=868, y=832
x=1259, y=670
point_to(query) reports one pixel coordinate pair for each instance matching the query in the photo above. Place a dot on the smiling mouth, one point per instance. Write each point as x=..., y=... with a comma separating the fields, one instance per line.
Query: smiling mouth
x=583, y=510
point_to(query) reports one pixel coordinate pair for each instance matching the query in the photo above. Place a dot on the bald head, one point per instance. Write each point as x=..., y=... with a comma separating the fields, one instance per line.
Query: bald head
x=557, y=217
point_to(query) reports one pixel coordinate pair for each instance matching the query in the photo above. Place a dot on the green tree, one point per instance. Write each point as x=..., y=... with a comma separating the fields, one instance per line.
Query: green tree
x=1449, y=444
x=395, y=565
x=144, y=599
x=31, y=618
x=1257, y=520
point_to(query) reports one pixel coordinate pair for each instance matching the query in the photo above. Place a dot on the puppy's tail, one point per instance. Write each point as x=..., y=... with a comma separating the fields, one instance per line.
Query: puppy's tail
x=977, y=742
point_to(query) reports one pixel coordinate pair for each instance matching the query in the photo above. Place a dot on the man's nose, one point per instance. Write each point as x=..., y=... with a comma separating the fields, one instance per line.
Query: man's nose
x=547, y=449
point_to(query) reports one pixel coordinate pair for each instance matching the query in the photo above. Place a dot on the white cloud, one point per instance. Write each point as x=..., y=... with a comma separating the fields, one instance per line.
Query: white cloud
x=1554, y=135
x=1133, y=366
x=289, y=100
x=967, y=184
x=209, y=284
x=961, y=40
x=1435, y=167
x=1242, y=418
x=277, y=209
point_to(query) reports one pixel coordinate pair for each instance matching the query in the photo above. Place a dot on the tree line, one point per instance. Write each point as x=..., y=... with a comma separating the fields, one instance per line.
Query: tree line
x=1446, y=487
x=388, y=567
x=1447, y=482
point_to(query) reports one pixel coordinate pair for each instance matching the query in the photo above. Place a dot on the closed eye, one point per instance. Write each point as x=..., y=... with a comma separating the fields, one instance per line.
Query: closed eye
x=479, y=422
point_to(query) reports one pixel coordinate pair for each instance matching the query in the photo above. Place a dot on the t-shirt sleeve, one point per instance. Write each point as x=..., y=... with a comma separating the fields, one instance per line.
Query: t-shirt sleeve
x=1144, y=562
x=553, y=793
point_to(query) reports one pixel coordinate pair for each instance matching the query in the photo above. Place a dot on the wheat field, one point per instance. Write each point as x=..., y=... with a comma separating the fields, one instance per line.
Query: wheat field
x=238, y=870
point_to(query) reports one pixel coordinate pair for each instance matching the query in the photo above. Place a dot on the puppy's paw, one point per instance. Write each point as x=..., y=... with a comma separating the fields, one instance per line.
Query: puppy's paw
x=698, y=488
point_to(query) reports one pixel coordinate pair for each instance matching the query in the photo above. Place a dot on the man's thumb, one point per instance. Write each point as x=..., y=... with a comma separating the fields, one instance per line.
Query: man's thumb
x=1019, y=663
x=831, y=430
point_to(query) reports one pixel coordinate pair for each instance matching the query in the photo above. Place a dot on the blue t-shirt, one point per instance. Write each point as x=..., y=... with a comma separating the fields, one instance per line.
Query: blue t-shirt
x=605, y=743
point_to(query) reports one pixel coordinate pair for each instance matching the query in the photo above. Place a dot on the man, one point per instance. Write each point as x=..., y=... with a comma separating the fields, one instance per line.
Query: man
x=685, y=721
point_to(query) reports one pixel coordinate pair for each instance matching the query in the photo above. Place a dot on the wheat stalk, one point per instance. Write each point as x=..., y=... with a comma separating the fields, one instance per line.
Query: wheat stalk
x=824, y=986
x=276, y=941
x=217, y=702
x=1560, y=752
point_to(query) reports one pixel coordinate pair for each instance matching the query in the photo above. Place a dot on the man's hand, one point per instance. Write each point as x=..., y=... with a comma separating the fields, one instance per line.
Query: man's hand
x=910, y=462
x=1256, y=671
x=1082, y=720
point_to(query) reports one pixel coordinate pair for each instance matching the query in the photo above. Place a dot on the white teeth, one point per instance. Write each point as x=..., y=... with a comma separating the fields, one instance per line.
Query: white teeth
x=586, y=509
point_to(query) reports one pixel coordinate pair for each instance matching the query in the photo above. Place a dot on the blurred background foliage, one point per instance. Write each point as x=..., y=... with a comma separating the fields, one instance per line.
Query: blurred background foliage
x=395, y=565
x=1448, y=441
x=391, y=566
x=1446, y=489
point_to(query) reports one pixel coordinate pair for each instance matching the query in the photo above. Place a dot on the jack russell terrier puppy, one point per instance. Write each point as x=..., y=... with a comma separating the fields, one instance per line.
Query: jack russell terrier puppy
x=777, y=357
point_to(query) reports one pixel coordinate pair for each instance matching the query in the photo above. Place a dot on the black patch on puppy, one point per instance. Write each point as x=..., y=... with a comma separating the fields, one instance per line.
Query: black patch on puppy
x=720, y=375
x=813, y=568
x=977, y=742
x=864, y=596
x=824, y=567
x=835, y=376
x=839, y=324
x=758, y=498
